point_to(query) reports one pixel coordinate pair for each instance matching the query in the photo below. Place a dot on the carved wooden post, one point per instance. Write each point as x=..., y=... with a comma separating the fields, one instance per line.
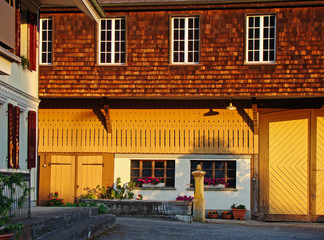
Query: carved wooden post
x=199, y=199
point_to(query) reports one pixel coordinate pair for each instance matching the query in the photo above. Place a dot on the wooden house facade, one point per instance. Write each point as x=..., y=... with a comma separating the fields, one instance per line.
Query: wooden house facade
x=149, y=90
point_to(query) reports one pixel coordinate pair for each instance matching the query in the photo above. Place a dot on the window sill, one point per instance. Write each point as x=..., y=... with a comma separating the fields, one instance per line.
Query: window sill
x=215, y=189
x=156, y=188
x=184, y=65
x=259, y=64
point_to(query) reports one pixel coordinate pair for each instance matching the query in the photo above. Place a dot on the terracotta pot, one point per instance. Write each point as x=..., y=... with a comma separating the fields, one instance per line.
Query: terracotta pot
x=213, y=215
x=239, y=213
x=6, y=236
x=227, y=216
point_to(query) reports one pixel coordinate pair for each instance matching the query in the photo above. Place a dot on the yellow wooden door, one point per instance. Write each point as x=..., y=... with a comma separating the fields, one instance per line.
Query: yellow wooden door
x=63, y=177
x=89, y=173
x=320, y=166
x=288, y=167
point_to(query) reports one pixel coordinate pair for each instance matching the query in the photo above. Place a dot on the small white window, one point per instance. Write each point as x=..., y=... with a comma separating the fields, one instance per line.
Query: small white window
x=112, y=41
x=261, y=39
x=185, y=40
x=45, y=47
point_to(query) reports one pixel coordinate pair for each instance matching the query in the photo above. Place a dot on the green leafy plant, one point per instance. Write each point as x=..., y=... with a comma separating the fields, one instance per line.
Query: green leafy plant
x=122, y=191
x=10, y=184
x=25, y=64
x=102, y=209
x=55, y=201
x=235, y=206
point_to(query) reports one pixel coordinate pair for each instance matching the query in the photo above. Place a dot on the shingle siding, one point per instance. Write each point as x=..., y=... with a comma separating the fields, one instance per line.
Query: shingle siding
x=148, y=73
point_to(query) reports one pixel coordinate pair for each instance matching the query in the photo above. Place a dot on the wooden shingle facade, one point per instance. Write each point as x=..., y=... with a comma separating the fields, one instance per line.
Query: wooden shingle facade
x=149, y=86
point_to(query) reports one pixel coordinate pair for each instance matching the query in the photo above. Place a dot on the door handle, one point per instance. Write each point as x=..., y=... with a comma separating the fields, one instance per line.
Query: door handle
x=77, y=186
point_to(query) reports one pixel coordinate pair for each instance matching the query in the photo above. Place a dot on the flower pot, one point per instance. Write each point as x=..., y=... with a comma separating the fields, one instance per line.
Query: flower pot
x=214, y=216
x=239, y=213
x=149, y=185
x=219, y=186
x=227, y=216
x=6, y=236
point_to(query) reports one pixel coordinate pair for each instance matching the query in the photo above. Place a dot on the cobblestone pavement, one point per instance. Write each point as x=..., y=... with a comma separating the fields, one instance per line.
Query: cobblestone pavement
x=160, y=229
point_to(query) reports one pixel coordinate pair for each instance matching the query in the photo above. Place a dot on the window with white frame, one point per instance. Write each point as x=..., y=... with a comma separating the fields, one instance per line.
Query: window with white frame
x=261, y=39
x=112, y=41
x=185, y=40
x=45, y=47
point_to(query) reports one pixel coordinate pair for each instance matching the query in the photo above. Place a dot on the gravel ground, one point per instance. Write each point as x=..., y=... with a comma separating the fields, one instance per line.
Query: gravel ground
x=161, y=229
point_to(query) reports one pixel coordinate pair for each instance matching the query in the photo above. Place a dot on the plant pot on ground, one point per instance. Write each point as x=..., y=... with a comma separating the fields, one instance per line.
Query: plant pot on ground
x=238, y=211
x=213, y=214
x=226, y=215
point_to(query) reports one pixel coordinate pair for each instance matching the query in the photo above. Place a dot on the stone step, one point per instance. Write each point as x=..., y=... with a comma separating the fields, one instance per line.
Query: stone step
x=47, y=220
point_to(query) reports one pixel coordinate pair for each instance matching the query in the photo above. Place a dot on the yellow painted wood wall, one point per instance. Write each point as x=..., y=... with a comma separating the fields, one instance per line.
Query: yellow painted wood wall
x=145, y=131
x=320, y=167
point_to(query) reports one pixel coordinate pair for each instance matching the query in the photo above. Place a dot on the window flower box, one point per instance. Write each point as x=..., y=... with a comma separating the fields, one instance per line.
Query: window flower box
x=149, y=185
x=219, y=186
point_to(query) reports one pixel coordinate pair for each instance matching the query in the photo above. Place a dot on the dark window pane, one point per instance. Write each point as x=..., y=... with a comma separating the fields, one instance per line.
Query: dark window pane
x=44, y=24
x=108, y=58
x=123, y=57
x=272, y=32
x=196, y=45
x=250, y=45
x=251, y=22
x=175, y=57
x=176, y=23
x=265, y=44
x=265, y=56
x=272, y=21
x=176, y=46
x=220, y=165
x=108, y=46
x=117, y=24
x=196, y=57
x=272, y=42
x=49, y=47
x=266, y=21
x=231, y=165
x=182, y=33
x=170, y=173
x=209, y=174
x=194, y=164
x=197, y=22
x=232, y=183
x=117, y=47
x=190, y=56
x=207, y=165
x=135, y=173
x=231, y=174
x=266, y=32
x=190, y=34
x=108, y=24
x=159, y=173
x=123, y=46
x=220, y=174
x=250, y=57
x=176, y=34
x=103, y=36
x=50, y=24
x=135, y=164
x=272, y=56
x=108, y=33
x=49, y=58
x=44, y=35
x=117, y=58
x=44, y=57
x=147, y=164
x=182, y=23
x=103, y=24
x=190, y=45
x=257, y=33
x=190, y=20
x=159, y=164
x=102, y=58
x=182, y=45
x=103, y=47
x=44, y=46
x=181, y=57
x=251, y=33
x=117, y=35
x=256, y=44
x=257, y=21
x=170, y=164
x=256, y=56
x=123, y=24
x=123, y=35
x=169, y=182
x=197, y=34
x=147, y=172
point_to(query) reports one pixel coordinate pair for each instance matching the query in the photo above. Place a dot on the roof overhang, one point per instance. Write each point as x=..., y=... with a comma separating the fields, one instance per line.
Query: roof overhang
x=90, y=7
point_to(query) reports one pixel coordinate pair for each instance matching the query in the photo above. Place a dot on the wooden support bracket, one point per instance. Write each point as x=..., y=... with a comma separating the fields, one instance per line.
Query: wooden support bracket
x=255, y=119
x=107, y=117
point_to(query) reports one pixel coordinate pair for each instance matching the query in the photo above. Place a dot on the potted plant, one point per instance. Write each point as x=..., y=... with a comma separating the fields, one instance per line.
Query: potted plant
x=213, y=214
x=219, y=183
x=9, y=184
x=226, y=215
x=150, y=182
x=239, y=211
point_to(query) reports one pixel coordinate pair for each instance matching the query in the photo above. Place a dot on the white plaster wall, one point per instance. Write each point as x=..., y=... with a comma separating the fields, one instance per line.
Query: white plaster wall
x=214, y=199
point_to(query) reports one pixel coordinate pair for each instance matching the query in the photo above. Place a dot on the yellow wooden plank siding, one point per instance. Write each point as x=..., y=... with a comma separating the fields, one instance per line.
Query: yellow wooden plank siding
x=145, y=131
x=63, y=177
x=89, y=173
x=288, y=170
x=320, y=167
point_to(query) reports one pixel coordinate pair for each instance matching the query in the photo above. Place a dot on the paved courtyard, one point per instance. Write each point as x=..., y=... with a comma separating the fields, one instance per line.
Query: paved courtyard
x=159, y=229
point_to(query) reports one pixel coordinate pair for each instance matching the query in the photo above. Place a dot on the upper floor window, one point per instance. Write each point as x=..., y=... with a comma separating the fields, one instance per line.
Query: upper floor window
x=217, y=169
x=45, y=47
x=164, y=169
x=185, y=40
x=112, y=41
x=261, y=39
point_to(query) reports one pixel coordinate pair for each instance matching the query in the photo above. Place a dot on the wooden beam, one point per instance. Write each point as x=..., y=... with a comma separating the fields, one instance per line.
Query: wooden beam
x=255, y=119
x=107, y=117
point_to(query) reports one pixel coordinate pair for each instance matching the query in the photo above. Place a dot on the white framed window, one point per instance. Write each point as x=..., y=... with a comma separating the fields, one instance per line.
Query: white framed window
x=46, y=38
x=185, y=40
x=112, y=41
x=261, y=39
